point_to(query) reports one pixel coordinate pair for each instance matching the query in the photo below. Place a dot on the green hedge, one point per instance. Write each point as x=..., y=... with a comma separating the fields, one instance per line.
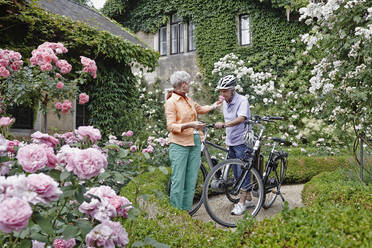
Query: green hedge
x=341, y=187
x=321, y=224
x=302, y=169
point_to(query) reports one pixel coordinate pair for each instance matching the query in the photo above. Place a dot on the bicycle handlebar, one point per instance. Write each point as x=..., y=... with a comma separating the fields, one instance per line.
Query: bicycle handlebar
x=259, y=119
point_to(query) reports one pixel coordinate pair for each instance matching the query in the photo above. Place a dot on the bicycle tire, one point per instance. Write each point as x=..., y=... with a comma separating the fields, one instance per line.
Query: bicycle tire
x=277, y=175
x=215, y=202
x=198, y=200
x=234, y=198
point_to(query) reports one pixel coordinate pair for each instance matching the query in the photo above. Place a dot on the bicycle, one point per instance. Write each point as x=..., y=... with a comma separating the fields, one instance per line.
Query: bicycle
x=203, y=170
x=264, y=187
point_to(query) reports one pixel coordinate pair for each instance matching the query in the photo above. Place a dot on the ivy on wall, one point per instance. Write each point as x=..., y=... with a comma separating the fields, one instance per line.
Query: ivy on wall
x=113, y=94
x=216, y=28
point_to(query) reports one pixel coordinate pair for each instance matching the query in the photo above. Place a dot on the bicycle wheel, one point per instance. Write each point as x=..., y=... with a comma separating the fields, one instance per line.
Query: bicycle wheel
x=215, y=199
x=202, y=174
x=228, y=175
x=274, y=182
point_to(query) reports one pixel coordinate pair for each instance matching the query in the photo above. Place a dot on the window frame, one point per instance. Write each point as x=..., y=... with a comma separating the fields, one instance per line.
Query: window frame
x=178, y=22
x=241, y=30
x=190, y=23
x=160, y=41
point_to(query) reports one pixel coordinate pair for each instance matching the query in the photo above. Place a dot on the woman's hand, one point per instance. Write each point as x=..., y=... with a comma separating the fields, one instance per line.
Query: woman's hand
x=198, y=125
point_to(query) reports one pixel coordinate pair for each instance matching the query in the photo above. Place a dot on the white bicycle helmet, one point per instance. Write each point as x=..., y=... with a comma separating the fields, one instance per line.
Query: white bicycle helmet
x=227, y=82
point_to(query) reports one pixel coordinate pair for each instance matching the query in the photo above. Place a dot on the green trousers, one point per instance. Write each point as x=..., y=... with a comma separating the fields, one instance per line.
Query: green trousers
x=185, y=162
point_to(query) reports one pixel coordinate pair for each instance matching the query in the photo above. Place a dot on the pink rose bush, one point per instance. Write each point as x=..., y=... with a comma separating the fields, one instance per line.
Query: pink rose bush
x=44, y=61
x=59, y=171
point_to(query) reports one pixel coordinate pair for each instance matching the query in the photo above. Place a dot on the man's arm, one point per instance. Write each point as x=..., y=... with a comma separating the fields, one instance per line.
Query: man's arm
x=232, y=123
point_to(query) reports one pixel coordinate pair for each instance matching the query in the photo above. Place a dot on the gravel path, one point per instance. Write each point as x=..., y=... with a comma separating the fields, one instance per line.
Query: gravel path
x=291, y=193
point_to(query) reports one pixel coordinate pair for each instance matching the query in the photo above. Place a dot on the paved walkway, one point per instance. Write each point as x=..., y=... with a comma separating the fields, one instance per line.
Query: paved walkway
x=291, y=193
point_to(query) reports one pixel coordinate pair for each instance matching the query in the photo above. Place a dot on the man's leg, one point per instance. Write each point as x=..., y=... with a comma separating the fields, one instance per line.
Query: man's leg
x=240, y=153
x=178, y=157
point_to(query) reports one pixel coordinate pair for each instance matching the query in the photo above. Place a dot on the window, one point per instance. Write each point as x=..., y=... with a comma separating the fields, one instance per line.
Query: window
x=24, y=116
x=163, y=41
x=245, y=32
x=191, y=36
x=177, y=34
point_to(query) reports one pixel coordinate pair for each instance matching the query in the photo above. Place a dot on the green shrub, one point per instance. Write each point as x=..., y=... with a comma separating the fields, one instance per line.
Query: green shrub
x=338, y=187
x=302, y=169
x=324, y=225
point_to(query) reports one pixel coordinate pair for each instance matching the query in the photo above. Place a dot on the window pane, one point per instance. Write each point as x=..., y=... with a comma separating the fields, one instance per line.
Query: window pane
x=191, y=35
x=244, y=22
x=174, y=35
x=181, y=37
x=245, y=38
x=163, y=41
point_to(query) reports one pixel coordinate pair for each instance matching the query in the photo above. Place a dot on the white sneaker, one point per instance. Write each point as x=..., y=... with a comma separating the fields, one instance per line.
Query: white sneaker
x=249, y=204
x=238, y=209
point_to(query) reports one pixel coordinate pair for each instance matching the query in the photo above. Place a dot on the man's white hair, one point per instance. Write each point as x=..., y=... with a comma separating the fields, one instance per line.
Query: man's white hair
x=178, y=77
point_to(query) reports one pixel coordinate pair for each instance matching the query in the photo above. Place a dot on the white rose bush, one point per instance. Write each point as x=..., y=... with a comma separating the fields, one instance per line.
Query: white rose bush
x=340, y=43
x=51, y=192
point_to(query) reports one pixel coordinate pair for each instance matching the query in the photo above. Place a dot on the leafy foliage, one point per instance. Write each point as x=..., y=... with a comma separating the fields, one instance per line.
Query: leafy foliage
x=25, y=26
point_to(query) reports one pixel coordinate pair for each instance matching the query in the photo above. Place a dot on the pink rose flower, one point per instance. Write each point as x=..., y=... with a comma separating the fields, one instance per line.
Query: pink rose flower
x=221, y=98
x=87, y=163
x=44, y=138
x=37, y=244
x=64, y=66
x=89, y=66
x=61, y=243
x=45, y=186
x=4, y=72
x=83, y=98
x=130, y=133
x=107, y=234
x=11, y=145
x=6, y=121
x=133, y=148
x=15, y=214
x=90, y=132
x=60, y=85
x=118, y=202
x=58, y=75
x=66, y=106
x=58, y=105
x=32, y=157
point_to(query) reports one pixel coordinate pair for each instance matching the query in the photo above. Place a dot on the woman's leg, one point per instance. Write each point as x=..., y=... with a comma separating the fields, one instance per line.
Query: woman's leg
x=178, y=157
x=192, y=170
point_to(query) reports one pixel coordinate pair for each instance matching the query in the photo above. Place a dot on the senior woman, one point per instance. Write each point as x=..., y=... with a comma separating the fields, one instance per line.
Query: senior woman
x=185, y=132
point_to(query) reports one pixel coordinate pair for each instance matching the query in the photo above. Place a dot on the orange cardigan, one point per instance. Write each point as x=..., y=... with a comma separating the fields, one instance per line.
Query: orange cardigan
x=179, y=111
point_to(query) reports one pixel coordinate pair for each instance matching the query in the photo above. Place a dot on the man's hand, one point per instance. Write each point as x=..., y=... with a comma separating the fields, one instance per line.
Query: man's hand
x=219, y=125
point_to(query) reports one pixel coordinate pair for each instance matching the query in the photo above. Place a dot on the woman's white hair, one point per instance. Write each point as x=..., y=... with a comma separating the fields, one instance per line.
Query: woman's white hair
x=178, y=77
